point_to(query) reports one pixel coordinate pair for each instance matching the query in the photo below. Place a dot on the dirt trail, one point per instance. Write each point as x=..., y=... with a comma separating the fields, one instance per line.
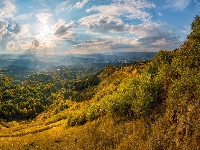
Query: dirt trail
x=29, y=129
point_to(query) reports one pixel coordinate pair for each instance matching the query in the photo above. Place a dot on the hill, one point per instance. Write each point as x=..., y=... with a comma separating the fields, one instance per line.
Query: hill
x=149, y=105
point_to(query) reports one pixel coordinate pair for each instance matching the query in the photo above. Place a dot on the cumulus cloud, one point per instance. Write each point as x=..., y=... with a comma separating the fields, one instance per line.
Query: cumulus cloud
x=10, y=39
x=43, y=17
x=109, y=17
x=151, y=34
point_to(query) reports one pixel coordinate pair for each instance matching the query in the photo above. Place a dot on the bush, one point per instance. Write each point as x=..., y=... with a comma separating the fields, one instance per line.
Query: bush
x=185, y=89
x=146, y=95
x=76, y=118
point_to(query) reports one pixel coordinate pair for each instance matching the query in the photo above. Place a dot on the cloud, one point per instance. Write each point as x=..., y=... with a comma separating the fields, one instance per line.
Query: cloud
x=16, y=28
x=177, y=4
x=35, y=43
x=100, y=24
x=43, y=17
x=22, y=17
x=155, y=35
x=7, y=9
x=24, y=29
x=122, y=46
x=196, y=2
x=134, y=9
x=111, y=25
x=94, y=45
x=80, y=5
x=62, y=29
x=1, y=13
x=10, y=39
x=12, y=46
x=159, y=14
x=151, y=38
x=25, y=44
x=3, y=28
x=3, y=24
x=108, y=18
x=159, y=38
x=186, y=30
x=43, y=2
x=64, y=6
x=20, y=29
x=5, y=39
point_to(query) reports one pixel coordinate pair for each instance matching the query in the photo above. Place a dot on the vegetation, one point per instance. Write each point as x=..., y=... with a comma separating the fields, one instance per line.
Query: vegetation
x=148, y=105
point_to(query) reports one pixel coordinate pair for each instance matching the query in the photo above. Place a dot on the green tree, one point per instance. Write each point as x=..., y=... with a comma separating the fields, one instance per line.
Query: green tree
x=188, y=56
x=195, y=27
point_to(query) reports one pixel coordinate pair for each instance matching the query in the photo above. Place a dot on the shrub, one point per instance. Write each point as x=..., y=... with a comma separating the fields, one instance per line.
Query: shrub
x=76, y=118
x=147, y=93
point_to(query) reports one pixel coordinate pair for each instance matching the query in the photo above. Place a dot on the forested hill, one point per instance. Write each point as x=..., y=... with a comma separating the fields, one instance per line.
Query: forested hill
x=149, y=105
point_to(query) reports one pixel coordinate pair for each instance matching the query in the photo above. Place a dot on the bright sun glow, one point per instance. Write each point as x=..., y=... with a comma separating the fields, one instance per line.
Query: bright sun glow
x=46, y=28
x=45, y=31
x=45, y=36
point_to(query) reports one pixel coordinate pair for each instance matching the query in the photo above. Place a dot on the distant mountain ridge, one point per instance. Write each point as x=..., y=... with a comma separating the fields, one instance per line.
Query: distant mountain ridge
x=45, y=61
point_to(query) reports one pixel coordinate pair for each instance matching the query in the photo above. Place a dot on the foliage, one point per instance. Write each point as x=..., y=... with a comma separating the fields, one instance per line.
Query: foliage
x=24, y=93
x=149, y=105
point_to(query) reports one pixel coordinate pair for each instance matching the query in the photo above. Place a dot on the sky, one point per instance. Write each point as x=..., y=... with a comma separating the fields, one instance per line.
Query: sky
x=94, y=26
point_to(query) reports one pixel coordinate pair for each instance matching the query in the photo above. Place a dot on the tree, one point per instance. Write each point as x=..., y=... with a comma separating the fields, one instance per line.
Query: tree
x=189, y=54
x=195, y=27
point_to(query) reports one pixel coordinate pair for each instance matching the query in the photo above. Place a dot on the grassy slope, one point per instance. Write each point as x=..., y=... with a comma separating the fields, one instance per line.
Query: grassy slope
x=151, y=106
x=164, y=128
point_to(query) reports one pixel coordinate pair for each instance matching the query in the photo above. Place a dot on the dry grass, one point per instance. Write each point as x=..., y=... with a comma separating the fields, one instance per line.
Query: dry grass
x=104, y=133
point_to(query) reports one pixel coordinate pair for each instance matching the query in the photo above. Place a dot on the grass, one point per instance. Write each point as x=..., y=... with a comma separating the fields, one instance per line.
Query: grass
x=92, y=135
x=105, y=133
